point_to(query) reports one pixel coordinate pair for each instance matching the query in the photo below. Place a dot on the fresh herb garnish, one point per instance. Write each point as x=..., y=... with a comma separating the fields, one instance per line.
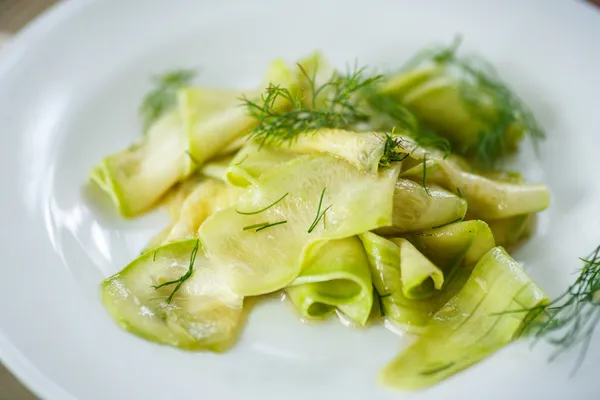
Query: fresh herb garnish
x=255, y=226
x=263, y=209
x=391, y=113
x=184, y=277
x=282, y=113
x=271, y=225
x=164, y=96
x=379, y=301
x=501, y=113
x=319, y=213
x=425, y=175
x=263, y=225
x=572, y=318
x=392, y=150
x=448, y=223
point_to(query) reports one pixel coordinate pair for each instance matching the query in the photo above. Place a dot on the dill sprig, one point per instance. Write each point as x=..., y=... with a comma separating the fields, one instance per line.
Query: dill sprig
x=282, y=113
x=572, y=318
x=263, y=225
x=389, y=113
x=255, y=226
x=263, y=209
x=164, y=96
x=425, y=175
x=392, y=150
x=184, y=277
x=502, y=114
x=319, y=213
x=271, y=225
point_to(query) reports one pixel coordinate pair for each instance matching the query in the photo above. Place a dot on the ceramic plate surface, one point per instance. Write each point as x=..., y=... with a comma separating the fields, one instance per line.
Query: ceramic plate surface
x=70, y=85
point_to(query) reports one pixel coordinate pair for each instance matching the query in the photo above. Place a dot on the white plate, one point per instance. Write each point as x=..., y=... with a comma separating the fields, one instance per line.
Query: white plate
x=70, y=85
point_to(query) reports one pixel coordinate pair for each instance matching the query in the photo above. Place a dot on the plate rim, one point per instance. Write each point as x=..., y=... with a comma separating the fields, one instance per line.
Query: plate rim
x=21, y=43
x=24, y=41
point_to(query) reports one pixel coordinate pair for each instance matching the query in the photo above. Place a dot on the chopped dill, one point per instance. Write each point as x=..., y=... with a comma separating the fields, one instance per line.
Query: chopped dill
x=184, y=277
x=319, y=213
x=263, y=209
x=262, y=225
x=271, y=225
x=387, y=107
x=282, y=113
x=379, y=297
x=249, y=227
x=154, y=255
x=425, y=175
x=392, y=151
x=164, y=96
x=423, y=234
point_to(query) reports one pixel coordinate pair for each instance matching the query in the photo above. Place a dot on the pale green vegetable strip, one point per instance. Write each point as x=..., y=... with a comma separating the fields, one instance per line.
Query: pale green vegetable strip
x=363, y=150
x=415, y=209
x=420, y=277
x=471, y=326
x=207, y=136
x=173, y=200
x=336, y=277
x=384, y=260
x=258, y=262
x=217, y=168
x=253, y=160
x=509, y=232
x=487, y=199
x=203, y=314
x=136, y=178
x=209, y=197
x=462, y=242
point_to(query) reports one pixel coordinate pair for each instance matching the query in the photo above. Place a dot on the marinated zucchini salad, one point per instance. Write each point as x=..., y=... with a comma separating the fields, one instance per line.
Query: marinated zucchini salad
x=376, y=198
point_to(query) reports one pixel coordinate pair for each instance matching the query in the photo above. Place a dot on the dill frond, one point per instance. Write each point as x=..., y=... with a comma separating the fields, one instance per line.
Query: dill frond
x=571, y=319
x=164, y=96
x=263, y=209
x=184, y=277
x=282, y=114
x=504, y=117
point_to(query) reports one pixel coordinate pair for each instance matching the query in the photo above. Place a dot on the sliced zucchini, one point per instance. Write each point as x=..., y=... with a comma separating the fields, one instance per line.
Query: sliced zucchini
x=136, y=178
x=471, y=326
x=420, y=277
x=259, y=257
x=486, y=199
x=458, y=243
x=208, y=135
x=336, y=277
x=204, y=314
x=253, y=160
x=416, y=209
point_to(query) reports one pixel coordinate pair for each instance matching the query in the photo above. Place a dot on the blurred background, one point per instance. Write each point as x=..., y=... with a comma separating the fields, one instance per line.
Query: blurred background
x=14, y=14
